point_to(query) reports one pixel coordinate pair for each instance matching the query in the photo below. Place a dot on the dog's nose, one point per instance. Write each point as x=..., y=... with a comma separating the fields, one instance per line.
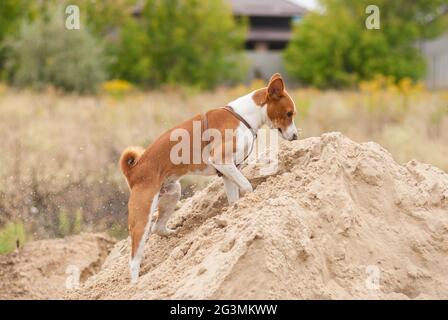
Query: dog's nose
x=294, y=137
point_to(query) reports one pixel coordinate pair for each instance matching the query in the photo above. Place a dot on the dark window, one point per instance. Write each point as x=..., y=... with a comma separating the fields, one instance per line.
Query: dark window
x=271, y=22
x=272, y=45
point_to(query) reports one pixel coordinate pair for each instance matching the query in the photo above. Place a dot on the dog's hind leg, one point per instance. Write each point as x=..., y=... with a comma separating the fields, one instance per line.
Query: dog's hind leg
x=169, y=196
x=142, y=205
x=232, y=190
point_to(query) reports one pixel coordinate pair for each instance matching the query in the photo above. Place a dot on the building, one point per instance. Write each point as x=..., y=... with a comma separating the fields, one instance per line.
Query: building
x=435, y=52
x=270, y=29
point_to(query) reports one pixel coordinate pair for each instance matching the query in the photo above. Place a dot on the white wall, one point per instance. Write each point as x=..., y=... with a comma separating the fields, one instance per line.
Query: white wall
x=436, y=54
x=264, y=62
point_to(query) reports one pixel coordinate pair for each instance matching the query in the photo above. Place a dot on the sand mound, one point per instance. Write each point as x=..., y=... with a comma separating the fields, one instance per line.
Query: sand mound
x=40, y=269
x=338, y=220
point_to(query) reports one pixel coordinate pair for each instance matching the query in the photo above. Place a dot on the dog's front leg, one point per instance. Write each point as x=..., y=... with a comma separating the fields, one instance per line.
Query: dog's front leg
x=231, y=172
x=232, y=191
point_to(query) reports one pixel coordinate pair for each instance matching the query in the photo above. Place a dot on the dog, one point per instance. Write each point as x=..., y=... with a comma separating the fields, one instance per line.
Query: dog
x=153, y=176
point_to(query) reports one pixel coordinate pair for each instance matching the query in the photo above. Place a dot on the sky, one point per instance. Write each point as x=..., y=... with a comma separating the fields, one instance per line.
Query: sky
x=308, y=4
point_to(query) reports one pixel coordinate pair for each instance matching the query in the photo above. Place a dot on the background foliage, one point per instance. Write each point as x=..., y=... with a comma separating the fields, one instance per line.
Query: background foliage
x=198, y=43
x=335, y=49
x=192, y=42
x=44, y=53
x=163, y=42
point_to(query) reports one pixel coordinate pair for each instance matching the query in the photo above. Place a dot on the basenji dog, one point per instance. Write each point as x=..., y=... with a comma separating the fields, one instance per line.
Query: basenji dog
x=153, y=176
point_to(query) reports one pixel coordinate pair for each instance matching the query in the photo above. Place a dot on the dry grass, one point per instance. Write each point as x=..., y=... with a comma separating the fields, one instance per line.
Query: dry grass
x=59, y=154
x=412, y=126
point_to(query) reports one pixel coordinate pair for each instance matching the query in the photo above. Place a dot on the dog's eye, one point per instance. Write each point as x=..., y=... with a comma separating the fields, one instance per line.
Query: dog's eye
x=289, y=114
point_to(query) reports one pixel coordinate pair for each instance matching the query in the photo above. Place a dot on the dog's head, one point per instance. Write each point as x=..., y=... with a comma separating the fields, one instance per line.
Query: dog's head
x=280, y=107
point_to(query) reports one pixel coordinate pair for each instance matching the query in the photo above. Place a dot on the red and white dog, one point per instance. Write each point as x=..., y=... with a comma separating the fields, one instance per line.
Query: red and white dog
x=153, y=178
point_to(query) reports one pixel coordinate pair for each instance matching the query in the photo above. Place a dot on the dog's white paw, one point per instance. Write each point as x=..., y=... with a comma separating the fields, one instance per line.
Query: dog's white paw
x=246, y=189
x=134, y=266
x=164, y=231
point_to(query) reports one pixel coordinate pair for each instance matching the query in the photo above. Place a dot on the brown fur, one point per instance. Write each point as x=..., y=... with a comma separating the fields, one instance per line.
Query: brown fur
x=278, y=101
x=129, y=158
x=260, y=96
x=278, y=110
x=150, y=170
x=147, y=171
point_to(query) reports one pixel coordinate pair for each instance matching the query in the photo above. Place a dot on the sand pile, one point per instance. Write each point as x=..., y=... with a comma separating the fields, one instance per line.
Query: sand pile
x=338, y=220
x=41, y=269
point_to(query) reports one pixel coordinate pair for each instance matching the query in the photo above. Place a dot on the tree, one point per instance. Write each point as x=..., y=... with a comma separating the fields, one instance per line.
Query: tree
x=103, y=17
x=129, y=60
x=123, y=35
x=11, y=14
x=45, y=53
x=194, y=42
x=335, y=49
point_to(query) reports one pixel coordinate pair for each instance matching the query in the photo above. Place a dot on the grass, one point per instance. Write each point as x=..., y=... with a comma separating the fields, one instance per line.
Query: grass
x=59, y=153
x=12, y=235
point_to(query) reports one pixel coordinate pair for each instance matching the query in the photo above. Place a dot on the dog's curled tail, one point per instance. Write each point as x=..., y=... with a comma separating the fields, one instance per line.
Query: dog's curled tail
x=129, y=158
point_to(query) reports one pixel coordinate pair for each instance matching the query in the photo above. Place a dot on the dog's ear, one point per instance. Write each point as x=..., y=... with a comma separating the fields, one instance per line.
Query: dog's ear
x=276, y=86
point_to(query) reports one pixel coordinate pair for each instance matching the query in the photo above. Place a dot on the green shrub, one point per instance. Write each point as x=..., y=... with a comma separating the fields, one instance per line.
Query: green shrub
x=335, y=49
x=78, y=222
x=69, y=224
x=11, y=14
x=46, y=53
x=11, y=235
x=190, y=42
x=64, y=225
x=128, y=55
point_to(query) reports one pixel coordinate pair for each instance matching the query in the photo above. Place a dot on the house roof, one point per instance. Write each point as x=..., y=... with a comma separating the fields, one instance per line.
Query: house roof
x=279, y=8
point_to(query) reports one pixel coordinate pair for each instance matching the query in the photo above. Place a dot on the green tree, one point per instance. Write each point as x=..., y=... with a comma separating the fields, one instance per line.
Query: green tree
x=194, y=42
x=11, y=235
x=45, y=53
x=129, y=59
x=335, y=49
x=12, y=13
x=104, y=17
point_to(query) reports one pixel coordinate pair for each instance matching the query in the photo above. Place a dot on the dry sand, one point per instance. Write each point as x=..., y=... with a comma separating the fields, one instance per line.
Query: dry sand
x=40, y=269
x=339, y=220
